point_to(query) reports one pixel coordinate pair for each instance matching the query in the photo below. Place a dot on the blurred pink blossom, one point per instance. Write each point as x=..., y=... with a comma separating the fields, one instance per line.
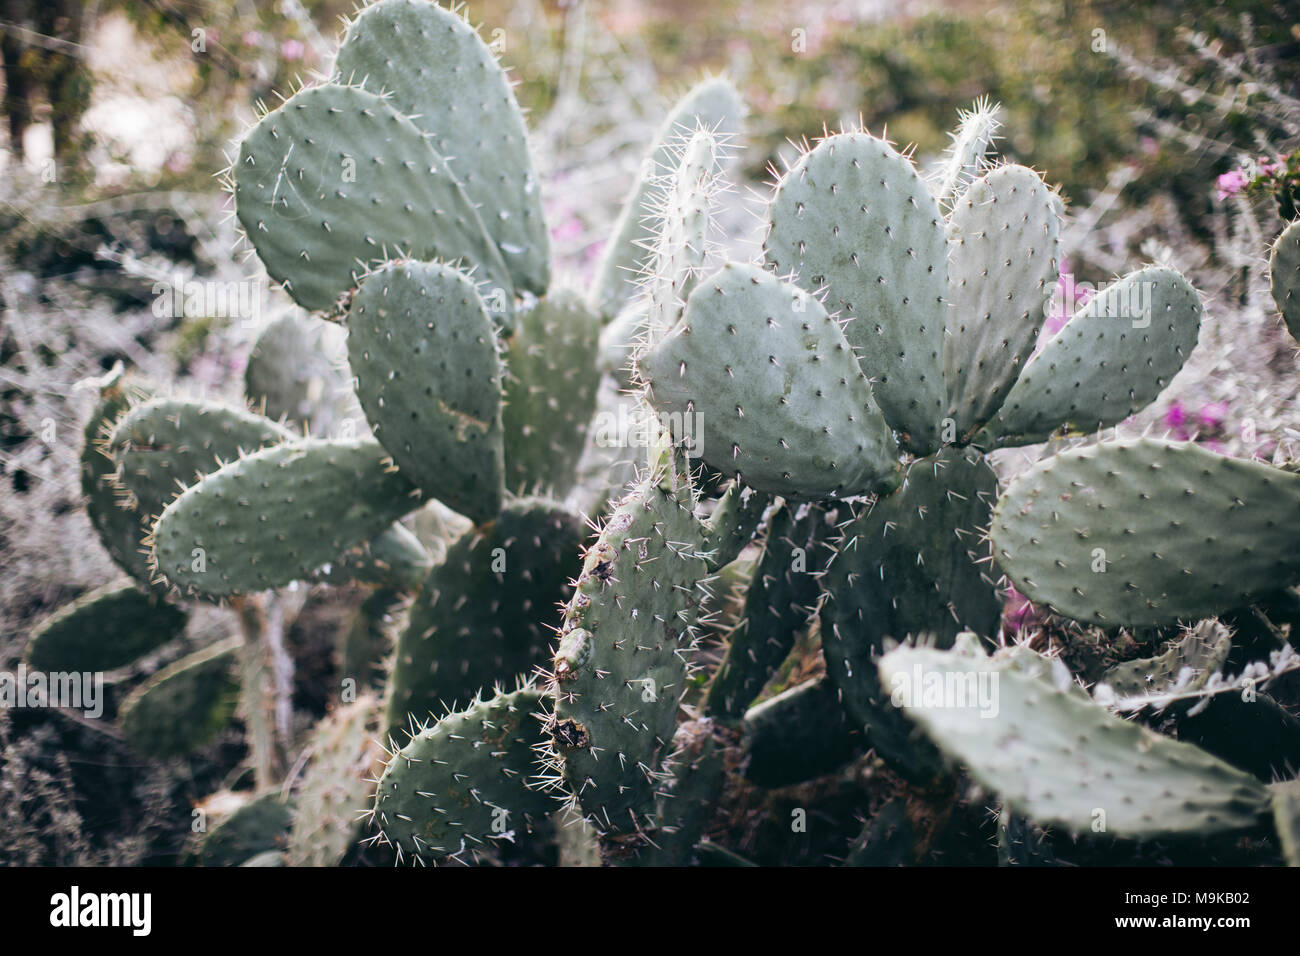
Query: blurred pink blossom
x=252, y=38
x=291, y=50
x=1213, y=415
x=1231, y=183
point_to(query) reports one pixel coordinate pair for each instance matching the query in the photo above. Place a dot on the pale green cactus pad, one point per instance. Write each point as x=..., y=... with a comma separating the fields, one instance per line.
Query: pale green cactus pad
x=1148, y=532
x=1284, y=274
x=424, y=352
x=713, y=105
x=337, y=179
x=854, y=217
x=1057, y=758
x=780, y=398
x=438, y=71
x=1005, y=258
x=278, y=516
x=1113, y=358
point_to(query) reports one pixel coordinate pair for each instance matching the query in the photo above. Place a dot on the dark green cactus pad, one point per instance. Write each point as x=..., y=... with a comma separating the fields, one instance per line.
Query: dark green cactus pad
x=278, y=516
x=1022, y=843
x=1181, y=533
x=550, y=393
x=259, y=826
x=713, y=105
x=798, y=735
x=853, y=217
x=120, y=530
x=336, y=179
x=464, y=780
x=1187, y=666
x=479, y=615
x=424, y=352
x=887, y=839
x=1284, y=276
x=1113, y=358
x=393, y=559
x=621, y=666
x=105, y=630
x=689, y=798
x=184, y=705
x=1286, y=819
x=365, y=642
x=161, y=446
x=297, y=372
x=778, y=606
x=337, y=787
x=438, y=71
x=780, y=399
x=733, y=523
x=1059, y=759
x=905, y=567
x=1002, y=269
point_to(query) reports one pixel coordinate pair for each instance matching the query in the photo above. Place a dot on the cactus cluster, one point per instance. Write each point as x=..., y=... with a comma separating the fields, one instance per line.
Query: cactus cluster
x=826, y=409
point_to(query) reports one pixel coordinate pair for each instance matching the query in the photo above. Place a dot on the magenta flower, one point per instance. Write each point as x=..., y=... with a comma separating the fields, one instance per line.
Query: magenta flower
x=1213, y=415
x=1231, y=183
x=291, y=50
x=1176, y=416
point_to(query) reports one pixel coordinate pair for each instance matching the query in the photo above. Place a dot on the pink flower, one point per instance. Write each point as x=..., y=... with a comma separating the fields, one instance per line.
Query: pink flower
x=252, y=38
x=291, y=50
x=1269, y=167
x=1018, y=612
x=1213, y=415
x=1176, y=416
x=1231, y=183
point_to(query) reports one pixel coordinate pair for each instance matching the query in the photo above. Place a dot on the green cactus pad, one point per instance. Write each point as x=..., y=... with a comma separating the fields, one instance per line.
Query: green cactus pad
x=854, y=217
x=887, y=839
x=907, y=567
x=1182, y=533
x=681, y=245
x=689, y=798
x=1003, y=266
x=779, y=397
x=463, y=780
x=480, y=614
x=778, y=606
x=1022, y=843
x=105, y=630
x=1112, y=359
x=184, y=705
x=120, y=530
x=733, y=523
x=965, y=160
x=345, y=758
x=423, y=350
x=1186, y=666
x=164, y=444
x=1284, y=273
x=1058, y=759
x=713, y=105
x=621, y=665
x=393, y=559
x=438, y=71
x=550, y=392
x=278, y=516
x=259, y=826
x=336, y=179
x=297, y=372
x=798, y=735
x=1286, y=819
